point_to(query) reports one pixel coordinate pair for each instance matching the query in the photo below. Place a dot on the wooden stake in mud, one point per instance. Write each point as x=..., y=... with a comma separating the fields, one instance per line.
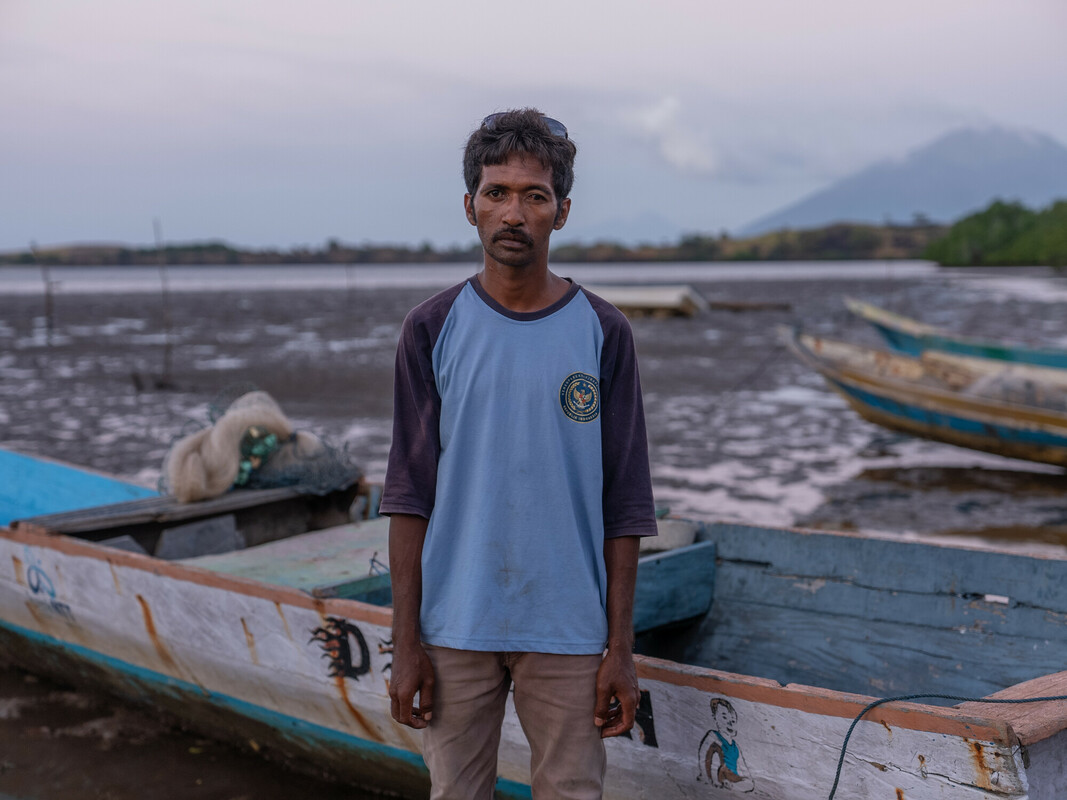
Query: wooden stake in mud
x=46, y=278
x=164, y=381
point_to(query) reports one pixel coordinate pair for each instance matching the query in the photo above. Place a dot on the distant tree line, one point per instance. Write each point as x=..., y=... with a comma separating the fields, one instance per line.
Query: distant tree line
x=1001, y=235
x=220, y=253
x=1005, y=234
x=839, y=241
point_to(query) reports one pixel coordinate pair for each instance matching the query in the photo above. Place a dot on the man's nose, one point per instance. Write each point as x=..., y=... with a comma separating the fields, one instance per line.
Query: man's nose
x=513, y=214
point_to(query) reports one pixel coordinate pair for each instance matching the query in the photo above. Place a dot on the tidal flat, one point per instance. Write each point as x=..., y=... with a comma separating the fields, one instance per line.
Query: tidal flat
x=107, y=377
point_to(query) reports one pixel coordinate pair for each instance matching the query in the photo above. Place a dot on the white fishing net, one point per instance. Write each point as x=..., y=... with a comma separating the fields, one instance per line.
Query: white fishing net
x=250, y=443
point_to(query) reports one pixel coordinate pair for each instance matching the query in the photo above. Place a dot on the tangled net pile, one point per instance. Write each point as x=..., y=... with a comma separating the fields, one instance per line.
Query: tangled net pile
x=250, y=443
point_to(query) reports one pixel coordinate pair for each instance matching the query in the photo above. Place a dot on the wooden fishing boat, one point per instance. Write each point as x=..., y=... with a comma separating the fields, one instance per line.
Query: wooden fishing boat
x=23, y=480
x=913, y=338
x=1013, y=410
x=284, y=649
x=62, y=498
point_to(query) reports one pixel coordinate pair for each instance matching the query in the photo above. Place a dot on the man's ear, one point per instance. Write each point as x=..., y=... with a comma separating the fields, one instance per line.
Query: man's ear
x=468, y=206
x=561, y=215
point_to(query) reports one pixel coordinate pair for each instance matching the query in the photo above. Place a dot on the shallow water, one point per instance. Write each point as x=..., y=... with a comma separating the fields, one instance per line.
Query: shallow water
x=738, y=429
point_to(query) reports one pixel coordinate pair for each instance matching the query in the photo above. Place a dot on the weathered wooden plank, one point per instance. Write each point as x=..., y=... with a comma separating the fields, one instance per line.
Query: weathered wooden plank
x=335, y=562
x=989, y=615
x=876, y=616
x=851, y=654
x=319, y=546
x=347, y=561
x=259, y=516
x=201, y=537
x=895, y=565
x=152, y=509
x=1032, y=722
x=375, y=589
x=674, y=586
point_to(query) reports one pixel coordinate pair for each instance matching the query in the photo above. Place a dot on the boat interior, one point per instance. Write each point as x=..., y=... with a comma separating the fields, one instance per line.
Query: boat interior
x=335, y=546
x=874, y=615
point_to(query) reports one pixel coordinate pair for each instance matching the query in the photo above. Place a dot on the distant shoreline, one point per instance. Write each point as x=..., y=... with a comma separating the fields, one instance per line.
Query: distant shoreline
x=1003, y=234
x=839, y=242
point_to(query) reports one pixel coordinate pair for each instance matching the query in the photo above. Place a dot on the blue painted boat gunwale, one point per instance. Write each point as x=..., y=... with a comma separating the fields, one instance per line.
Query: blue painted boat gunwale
x=673, y=586
x=68, y=488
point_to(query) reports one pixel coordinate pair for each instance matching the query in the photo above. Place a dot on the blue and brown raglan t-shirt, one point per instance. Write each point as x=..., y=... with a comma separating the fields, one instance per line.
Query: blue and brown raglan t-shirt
x=521, y=437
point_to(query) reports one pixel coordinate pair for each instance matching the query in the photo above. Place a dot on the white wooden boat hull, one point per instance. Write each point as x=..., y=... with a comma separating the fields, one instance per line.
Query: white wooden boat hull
x=305, y=679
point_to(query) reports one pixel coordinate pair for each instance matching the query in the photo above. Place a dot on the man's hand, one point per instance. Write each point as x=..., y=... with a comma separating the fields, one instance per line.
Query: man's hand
x=412, y=669
x=616, y=680
x=616, y=693
x=412, y=673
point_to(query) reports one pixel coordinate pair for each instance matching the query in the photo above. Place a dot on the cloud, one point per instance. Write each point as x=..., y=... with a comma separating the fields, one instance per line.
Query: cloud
x=699, y=134
x=263, y=122
x=682, y=147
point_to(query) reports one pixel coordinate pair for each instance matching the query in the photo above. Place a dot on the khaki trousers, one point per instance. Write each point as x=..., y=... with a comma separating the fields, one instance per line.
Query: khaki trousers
x=555, y=697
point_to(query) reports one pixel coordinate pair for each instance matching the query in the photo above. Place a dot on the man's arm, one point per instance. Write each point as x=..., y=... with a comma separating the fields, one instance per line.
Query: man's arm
x=617, y=678
x=412, y=671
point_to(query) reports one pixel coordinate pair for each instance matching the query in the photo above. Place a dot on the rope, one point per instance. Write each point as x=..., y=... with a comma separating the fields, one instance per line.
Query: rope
x=901, y=698
x=731, y=391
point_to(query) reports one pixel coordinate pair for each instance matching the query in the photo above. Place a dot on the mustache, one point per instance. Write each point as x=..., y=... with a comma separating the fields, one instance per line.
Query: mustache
x=514, y=234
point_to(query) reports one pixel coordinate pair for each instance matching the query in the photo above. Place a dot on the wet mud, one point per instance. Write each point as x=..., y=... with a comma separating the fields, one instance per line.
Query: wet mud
x=58, y=743
x=738, y=431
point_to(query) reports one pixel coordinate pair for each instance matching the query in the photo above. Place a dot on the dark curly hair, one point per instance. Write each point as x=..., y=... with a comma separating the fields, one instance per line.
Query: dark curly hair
x=522, y=131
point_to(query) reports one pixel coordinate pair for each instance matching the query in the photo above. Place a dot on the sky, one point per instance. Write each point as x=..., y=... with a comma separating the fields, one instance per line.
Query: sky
x=275, y=123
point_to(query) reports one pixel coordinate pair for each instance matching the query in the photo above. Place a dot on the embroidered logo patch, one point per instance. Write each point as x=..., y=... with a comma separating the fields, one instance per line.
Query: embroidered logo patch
x=580, y=397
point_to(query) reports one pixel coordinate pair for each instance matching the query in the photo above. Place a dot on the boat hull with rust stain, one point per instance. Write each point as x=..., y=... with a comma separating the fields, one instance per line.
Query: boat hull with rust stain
x=804, y=630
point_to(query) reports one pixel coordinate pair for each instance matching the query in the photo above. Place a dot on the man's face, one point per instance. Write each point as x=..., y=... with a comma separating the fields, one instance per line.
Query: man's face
x=515, y=210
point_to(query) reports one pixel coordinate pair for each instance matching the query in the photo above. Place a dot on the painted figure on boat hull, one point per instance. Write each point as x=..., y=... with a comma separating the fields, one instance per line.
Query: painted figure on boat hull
x=721, y=762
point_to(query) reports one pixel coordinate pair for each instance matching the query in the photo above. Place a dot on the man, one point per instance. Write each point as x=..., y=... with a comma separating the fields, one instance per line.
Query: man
x=518, y=487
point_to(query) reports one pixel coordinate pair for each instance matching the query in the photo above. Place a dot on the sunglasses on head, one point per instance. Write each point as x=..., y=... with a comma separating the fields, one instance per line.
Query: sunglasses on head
x=555, y=127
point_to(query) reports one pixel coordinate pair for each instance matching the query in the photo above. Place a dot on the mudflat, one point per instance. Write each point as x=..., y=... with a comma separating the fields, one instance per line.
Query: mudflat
x=738, y=431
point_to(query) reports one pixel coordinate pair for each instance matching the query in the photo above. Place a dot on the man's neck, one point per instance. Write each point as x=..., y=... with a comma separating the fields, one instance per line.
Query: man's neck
x=522, y=289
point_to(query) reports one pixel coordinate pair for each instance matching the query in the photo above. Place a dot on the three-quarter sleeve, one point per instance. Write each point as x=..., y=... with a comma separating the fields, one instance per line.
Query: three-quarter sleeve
x=629, y=508
x=411, y=474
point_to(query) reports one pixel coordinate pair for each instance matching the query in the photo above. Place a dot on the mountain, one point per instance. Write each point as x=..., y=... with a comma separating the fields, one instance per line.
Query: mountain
x=948, y=178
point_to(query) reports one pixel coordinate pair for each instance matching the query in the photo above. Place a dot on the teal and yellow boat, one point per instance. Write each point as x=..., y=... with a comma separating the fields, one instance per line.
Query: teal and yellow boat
x=1012, y=410
x=913, y=338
